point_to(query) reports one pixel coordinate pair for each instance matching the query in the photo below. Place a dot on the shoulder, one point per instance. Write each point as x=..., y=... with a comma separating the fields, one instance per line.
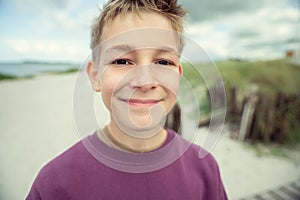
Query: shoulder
x=205, y=161
x=202, y=154
x=56, y=172
x=62, y=162
x=197, y=157
x=72, y=155
x=190, y=150
x=204, y=168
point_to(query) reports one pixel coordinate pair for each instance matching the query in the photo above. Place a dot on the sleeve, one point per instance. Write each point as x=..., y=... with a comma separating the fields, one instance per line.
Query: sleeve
x=34, y=193
x=215, y=189
x=44, y=185
x=221, y=190
x=48, y=184
x=220, y=187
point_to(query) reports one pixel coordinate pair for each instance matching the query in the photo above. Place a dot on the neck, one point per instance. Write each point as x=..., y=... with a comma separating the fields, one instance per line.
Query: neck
x=134, y=144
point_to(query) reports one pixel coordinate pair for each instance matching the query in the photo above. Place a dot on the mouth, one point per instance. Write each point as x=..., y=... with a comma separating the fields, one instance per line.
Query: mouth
x=141, y=102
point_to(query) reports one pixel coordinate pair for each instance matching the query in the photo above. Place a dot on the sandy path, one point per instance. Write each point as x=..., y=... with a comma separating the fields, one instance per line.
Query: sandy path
x=36, y=123
x=245, y=174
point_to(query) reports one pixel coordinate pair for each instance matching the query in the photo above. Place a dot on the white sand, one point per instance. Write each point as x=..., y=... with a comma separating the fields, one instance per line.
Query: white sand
x=245, y=174
x=37, y=124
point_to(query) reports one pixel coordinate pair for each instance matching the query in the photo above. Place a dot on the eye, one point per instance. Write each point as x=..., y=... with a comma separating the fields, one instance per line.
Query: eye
x=164, y=62
x=121, y=62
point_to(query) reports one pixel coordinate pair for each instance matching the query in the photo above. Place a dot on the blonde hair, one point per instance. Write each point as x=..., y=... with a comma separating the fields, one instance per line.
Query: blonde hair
x=168, y=8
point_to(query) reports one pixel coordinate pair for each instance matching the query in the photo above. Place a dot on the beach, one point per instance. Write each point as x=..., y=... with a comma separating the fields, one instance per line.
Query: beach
x=37, y=124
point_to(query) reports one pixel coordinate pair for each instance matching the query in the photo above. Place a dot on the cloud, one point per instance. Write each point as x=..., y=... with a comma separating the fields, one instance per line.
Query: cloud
x=204, y=10
x=76, y=18
x=262, y=33
x=36, y=5
x=50, y=30
x=63, y=49
x=65, y=15
x=207, y=10
x=229, y=28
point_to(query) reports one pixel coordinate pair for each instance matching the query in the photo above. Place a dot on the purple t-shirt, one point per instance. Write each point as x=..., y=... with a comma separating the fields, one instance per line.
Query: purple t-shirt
x=80, y=173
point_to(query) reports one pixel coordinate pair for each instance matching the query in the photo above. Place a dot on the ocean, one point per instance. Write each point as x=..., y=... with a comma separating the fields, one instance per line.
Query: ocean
x=32, y=69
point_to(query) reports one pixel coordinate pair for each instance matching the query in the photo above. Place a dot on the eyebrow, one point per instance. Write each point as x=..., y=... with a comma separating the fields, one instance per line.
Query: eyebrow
x=127, y=48
x=167, y=49
x=120, y=47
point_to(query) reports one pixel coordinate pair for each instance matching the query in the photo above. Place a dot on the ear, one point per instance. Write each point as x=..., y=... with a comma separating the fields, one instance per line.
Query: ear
x=92, y=72
x=180, y=70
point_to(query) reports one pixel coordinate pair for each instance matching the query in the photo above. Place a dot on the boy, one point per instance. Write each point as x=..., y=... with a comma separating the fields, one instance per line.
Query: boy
x=136, y=46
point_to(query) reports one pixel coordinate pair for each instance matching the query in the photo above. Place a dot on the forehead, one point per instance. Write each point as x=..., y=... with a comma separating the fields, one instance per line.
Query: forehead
x=146, y=30
x=131, y=21
x=131, y=32
x=146, y=38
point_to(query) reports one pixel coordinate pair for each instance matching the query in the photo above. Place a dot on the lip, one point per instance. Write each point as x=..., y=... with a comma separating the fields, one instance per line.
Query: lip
x=141, y=102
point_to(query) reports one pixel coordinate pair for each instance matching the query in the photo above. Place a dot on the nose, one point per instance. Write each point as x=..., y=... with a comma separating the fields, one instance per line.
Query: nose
x=144, y=79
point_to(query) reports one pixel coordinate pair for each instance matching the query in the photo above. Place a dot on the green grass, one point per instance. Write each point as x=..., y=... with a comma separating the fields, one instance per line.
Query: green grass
x=7, y=77
x=192, y=75
x=264, y=77
x=68, y=71
x=269, y=76
x=11, y=77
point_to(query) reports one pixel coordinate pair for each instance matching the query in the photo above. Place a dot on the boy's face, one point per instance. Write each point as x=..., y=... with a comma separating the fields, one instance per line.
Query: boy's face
x=139, y=71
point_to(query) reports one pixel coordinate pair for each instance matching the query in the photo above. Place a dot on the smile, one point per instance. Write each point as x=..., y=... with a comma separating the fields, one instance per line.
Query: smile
x=141, y=102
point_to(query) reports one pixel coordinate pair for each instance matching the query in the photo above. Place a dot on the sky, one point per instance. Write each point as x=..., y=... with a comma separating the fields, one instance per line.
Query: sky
x=59, y=30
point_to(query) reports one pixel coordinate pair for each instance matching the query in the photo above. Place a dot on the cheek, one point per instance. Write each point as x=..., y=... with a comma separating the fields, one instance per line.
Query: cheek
x=172, y=88
x=107, y=91
x=171, y=100
x=169, y=80
x=110, y=82
x=106, y=97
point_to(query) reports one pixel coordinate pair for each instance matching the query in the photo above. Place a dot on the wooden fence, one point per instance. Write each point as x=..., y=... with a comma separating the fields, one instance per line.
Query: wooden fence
x=265, y=117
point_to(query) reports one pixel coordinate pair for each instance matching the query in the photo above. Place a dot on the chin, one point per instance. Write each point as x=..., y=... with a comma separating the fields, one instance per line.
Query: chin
x=145, y=122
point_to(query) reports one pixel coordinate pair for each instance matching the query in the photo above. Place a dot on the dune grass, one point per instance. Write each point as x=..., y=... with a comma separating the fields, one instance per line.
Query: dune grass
x=269, y=76
x=67, y=71
x=7, y=77
x=265, y=77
